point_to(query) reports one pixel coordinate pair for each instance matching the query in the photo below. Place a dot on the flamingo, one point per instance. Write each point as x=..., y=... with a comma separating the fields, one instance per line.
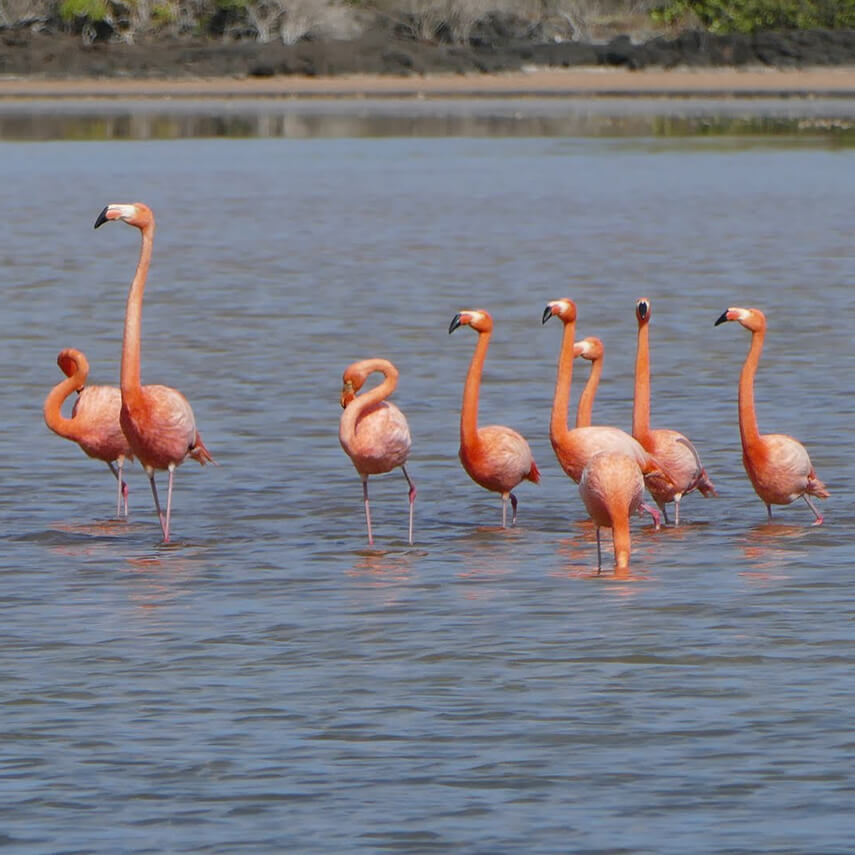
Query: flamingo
x=592, y=349
x=496, y=457
x=575, y=448
x=94, y=423
x=374, y=432
x=611, y=487
x=777, y=465
x=668, y=446
x=157, y=420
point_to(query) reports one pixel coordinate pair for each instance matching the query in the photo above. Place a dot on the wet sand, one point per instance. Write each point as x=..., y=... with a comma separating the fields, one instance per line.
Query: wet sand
x=827, y=82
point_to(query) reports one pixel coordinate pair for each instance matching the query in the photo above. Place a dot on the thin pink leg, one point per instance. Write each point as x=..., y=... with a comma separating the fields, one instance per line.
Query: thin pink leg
x=169, y=502
x=121, y=486
x=599, y=552
x=412, y=499
x=163, y=526
x=367, y=510
x=653, y=513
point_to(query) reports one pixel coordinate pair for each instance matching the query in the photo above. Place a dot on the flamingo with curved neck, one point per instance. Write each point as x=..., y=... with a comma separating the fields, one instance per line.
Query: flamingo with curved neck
x=592, y=349
x=94, y=423
x=777, y=465
x=157, y=420
x=495, y=457
x=373, y=431
x=668, y=446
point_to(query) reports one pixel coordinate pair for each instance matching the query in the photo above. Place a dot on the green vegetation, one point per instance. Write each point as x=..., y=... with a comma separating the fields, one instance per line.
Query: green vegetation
x=751, y=16
x=94, y=11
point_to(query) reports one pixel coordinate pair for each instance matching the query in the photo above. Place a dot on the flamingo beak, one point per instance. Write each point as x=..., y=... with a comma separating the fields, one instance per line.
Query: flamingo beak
x=642, y=309
x=547, y=313
x=455, y=323
x=347, y=394
x=102, y=217
x=722, y=318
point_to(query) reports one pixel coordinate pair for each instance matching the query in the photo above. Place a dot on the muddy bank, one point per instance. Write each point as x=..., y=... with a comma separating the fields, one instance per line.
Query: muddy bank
x=381, y=51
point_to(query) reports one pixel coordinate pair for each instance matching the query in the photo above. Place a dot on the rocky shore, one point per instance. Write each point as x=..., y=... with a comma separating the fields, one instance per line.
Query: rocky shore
x=382, y=51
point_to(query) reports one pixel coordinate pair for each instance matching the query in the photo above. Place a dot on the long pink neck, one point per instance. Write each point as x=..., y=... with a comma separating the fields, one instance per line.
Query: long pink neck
x=54, y=418
x=622, y=539
x=561, y=401
x=586, y=400
x=130, y=371
x=366, y=400
x=748, y=429
x=641, y=398
x=469, y=410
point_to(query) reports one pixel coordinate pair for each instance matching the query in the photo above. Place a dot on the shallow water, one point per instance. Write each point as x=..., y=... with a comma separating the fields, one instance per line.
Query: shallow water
x=268, y=683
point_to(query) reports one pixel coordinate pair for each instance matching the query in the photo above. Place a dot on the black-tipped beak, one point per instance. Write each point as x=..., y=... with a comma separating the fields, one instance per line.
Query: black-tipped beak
x=722, y=318
x=643, y=308
x=547, y=314
x=102, y=217
x=455, y=323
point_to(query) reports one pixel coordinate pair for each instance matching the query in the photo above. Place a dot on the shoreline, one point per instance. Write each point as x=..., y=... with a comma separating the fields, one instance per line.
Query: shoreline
x=838, y=82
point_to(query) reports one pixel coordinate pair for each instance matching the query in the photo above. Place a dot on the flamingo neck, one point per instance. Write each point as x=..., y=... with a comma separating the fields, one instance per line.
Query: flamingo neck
x=469, y=410
x=622, y=544
x=561, y=401
x=641, y=398
x=364, y=401
x=748, y=430
x=130, y=371
x=586, y=400
x=54, y=418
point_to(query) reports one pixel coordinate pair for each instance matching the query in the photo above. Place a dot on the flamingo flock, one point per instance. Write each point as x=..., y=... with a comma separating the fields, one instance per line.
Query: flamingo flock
x=155, y=424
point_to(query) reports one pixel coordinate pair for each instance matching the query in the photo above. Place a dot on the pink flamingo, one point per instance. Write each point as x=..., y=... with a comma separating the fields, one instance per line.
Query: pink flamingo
x=611, y=488
x=94, y=423
x=670, y=447
x=592, y=349
x=373, y=431
x=777, y=465
x=575, y=448
x=495, y=456
x=157, y=420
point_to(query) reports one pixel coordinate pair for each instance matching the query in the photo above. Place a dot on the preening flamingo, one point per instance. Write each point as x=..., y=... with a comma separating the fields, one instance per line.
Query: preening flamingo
x=157, y=420
x=94, y=423
x=373, y=431
x=496, y=457
x=611, y=487
x=777, y=465
x=575, y=448
x=670, y=447
x=590, y=348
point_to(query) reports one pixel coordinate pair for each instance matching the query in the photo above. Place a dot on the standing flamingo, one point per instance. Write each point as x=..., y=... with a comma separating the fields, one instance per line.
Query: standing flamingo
x=777, y=465
x=592, y=349
x=611, y=488
x=575, y=448
x=373, y=431
x=157, y=420
x=668, y=446
x=94, y=423
x=495, y=456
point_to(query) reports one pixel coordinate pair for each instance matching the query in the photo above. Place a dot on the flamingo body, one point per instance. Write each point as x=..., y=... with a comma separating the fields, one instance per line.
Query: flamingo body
x=94, y=423
x=373, y=431
x=495, y=457
x=611, y=488
x=777, y=465
x=157, y=420
x=669, y=447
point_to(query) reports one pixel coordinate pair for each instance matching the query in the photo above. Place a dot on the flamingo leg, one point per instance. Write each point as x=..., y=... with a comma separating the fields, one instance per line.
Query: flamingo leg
x=412, y=500
x=816, y=513
x=160, y=516
x=514, y=508
x=769, y=511
x=121, y=486
x=599, y=552
x=169, y=502
x=677, y=509
x=664, y=510
x=367, y=509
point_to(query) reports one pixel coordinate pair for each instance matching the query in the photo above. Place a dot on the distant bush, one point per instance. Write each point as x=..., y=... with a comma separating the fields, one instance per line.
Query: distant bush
x=751, y=16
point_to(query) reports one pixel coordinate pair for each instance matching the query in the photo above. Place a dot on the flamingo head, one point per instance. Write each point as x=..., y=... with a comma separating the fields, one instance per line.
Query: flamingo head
x=751, y=319
x=642, y=310
x=565, y=309
x=73, y=363
x=589, y=348
x=137, y=214
x=479, y=319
